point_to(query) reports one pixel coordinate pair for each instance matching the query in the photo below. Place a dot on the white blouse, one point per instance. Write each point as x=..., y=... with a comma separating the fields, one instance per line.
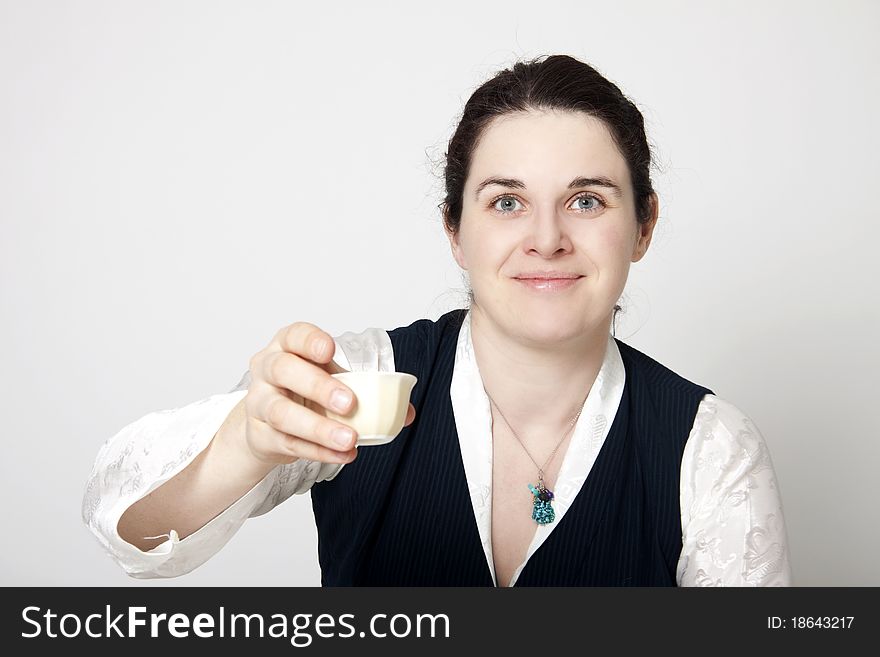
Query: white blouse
x=733, y=529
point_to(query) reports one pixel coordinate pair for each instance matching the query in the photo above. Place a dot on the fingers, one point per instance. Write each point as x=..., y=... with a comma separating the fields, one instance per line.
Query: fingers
x=291, y=391
x=279, y=443
x=308, y=341
x=294, y=429
x=290, y=372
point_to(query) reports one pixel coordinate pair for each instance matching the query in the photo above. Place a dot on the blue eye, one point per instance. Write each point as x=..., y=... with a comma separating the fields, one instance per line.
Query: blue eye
x=508, y=200
x=509, y=203
x=590, y=197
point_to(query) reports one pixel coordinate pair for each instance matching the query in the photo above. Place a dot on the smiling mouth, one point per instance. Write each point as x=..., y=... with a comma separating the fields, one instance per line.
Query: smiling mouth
x=549, y=284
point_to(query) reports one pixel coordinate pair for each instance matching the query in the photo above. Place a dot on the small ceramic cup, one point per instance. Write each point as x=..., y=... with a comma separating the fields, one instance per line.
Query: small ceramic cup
x=381, y=402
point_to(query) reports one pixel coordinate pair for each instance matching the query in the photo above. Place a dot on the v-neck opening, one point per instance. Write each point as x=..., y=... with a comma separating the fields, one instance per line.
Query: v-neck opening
x=473, y=419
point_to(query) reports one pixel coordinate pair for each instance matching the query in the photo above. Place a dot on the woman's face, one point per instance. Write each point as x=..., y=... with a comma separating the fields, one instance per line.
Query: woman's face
x=531, y=221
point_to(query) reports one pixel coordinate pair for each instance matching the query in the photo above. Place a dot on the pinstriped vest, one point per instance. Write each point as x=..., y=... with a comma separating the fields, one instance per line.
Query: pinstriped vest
x=400, y=514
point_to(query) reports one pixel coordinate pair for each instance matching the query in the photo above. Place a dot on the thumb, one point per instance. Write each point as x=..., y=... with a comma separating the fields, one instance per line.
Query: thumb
x=410, y=415
x=333, y=367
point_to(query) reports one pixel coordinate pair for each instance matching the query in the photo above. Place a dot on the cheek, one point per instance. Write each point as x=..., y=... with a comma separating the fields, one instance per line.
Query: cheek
x=485, y=250
x=613, y=245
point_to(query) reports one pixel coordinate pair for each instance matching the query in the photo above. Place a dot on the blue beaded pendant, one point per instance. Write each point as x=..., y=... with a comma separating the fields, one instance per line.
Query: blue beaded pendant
x=542, y=512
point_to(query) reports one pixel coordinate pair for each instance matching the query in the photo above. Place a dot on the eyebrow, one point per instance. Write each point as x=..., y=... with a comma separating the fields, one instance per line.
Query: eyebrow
x=580, y=181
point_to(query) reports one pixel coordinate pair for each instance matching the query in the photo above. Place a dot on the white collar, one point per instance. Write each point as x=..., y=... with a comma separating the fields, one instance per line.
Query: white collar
x=473, y=420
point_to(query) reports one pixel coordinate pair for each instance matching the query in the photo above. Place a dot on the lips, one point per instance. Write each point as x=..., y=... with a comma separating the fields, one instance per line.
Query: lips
x=548, y=275
x=549, y=284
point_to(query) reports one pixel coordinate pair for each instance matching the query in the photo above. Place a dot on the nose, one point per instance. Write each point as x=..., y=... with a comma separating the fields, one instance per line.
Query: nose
x=548, y=233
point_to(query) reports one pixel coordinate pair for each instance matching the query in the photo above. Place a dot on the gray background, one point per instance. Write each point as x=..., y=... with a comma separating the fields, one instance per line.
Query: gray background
x=179, y=180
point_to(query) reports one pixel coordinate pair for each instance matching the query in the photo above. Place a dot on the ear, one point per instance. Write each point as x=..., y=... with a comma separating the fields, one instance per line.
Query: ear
x=646, y=230
x=454, y=245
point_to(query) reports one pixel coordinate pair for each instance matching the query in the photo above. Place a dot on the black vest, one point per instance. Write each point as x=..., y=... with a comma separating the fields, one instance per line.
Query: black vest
x=400, y=514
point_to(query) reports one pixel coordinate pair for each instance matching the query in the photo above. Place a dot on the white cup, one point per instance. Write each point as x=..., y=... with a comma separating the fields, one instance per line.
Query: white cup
x=381, y=403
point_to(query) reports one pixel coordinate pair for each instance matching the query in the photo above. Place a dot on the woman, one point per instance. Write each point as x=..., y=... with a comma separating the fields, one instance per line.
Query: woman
x=530, y=426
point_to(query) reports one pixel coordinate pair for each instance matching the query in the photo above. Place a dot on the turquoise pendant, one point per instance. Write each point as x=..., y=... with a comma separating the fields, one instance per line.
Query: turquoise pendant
x=542, y=511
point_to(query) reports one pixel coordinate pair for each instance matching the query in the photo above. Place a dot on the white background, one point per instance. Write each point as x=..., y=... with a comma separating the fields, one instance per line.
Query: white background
x=179, y=180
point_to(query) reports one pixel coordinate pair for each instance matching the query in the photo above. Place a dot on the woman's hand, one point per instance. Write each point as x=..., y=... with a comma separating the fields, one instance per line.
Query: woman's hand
x=289, y=391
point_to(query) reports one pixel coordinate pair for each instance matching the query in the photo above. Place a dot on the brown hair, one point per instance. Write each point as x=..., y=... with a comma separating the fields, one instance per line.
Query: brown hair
x=559, y=82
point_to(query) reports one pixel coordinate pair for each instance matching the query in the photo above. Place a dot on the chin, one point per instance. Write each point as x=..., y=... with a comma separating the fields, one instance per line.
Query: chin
x=550, y=328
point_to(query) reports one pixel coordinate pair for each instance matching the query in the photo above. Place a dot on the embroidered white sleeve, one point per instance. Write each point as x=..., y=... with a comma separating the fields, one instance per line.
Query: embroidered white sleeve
x=733, y=529
x=153, y=449
x=139, y=459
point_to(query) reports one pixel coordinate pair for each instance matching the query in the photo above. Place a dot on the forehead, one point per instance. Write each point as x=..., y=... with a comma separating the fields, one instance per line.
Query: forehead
x=545, y=146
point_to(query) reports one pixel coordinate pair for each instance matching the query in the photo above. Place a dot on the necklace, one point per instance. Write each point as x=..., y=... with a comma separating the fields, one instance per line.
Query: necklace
x=542, y=511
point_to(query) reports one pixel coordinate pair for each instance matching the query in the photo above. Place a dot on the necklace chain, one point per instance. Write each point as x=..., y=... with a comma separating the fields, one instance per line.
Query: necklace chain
x=553, y=453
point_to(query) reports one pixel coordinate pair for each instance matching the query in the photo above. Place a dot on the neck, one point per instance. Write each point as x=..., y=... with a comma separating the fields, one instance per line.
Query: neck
x=539, y=387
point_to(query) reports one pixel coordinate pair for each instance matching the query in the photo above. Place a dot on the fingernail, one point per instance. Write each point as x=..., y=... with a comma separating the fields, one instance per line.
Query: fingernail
x=340, y=399
x=343, y=437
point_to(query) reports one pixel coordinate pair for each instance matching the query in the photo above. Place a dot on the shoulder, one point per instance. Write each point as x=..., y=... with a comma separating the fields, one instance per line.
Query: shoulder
x=419, y=344
x=645, y=369
x=725, y=429
x=733, y=525
x=427, y=329
x=726, y=458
